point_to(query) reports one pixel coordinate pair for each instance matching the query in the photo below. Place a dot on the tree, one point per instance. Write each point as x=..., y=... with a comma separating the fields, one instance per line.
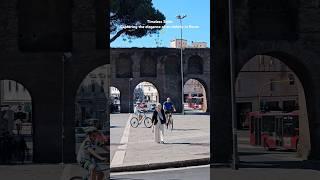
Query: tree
x=134, y=13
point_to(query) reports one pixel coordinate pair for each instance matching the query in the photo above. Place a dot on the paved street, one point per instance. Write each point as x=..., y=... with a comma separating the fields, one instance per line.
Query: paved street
x=134, y=146
x=190, y=173
x=251, y=154
x=264, y=174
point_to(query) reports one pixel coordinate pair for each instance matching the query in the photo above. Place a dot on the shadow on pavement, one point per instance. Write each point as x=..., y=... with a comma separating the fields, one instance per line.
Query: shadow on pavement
x=191, y=144
x=186, y=129
x=116, y=126
x=281, y=164
x=124, y=179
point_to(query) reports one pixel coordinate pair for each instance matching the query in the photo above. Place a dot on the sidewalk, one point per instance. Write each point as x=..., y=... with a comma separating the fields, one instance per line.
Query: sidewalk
x=264, y=174
x=188, y=143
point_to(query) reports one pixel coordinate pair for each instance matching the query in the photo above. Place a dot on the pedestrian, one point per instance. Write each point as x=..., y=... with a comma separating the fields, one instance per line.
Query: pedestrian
x=158, y=121
x=18, y=126
x=21, y=149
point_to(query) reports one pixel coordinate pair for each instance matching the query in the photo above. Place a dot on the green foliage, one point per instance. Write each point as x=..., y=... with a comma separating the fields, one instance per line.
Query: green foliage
x=134, y=13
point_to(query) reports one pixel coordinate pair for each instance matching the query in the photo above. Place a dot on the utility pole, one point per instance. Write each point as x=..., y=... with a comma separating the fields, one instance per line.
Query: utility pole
x=232, y=89
x=181, y=62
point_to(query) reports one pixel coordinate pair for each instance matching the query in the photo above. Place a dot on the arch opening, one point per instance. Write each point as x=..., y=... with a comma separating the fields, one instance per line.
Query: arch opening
x=16, y=123
x=271, y=110
x=91, y=105
x=115, y=100
x=146, y=96
x=195, y=97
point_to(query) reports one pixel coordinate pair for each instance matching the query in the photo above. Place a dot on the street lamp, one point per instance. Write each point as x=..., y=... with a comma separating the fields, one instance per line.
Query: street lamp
x=232, y=89
x=130, y=97
x=181, y=62
x=65, y=57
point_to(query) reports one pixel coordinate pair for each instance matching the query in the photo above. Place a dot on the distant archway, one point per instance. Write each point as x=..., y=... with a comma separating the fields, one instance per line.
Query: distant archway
x=195, y=97
x=91, y=104
x=145, y=94
x=115, y=98
x=267, y=85
x=16, y=121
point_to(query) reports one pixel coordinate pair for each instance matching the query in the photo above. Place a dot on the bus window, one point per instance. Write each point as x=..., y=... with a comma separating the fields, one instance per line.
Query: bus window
x=252, y=124
x=288, y=127
x=268, y=124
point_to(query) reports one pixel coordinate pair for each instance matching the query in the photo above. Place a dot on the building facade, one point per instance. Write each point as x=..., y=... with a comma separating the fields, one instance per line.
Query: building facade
x=91, y=100
x=178, y=43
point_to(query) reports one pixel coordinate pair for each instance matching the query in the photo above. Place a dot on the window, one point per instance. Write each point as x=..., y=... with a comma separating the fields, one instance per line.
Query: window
x=9, y=86
x=239, y=85
x=101, y=87
x=271, y=85
x=17, y=87
x=93, y=88
x=291, y=79
x=268, y=124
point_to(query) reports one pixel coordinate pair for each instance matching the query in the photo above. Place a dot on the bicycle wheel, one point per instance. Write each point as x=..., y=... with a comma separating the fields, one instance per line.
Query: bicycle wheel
x=148, y=122
x=134, y=122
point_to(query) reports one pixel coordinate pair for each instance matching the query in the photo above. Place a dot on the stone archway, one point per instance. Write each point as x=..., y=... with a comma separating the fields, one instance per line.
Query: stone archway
x=91, y=103
x=196, y=96
x=115, y=98
x=277, y=89
x=146, y=93
x=16, y=116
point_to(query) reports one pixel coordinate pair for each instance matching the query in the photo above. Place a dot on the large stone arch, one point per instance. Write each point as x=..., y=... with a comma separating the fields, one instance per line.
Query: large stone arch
x=300, y=62
x=195, y=65
x=76, y=68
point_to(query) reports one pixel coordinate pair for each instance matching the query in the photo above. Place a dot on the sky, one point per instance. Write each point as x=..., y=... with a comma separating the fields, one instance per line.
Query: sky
x=198, y=16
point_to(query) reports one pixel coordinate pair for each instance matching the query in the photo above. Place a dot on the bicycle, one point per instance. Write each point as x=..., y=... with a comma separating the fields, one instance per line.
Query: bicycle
x=170, y=120
x=135, y=122
x=87, y=177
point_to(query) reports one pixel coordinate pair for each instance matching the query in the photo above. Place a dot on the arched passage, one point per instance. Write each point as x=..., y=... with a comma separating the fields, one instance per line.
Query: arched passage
x=16, y=123
x=91, y=104
x=195, y=96
x=115, y=98
x=145, y=94
x=272, y=110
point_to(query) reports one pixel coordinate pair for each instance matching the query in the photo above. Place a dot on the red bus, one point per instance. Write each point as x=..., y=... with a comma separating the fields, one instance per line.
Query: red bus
x=195, y=102
x=274, y=130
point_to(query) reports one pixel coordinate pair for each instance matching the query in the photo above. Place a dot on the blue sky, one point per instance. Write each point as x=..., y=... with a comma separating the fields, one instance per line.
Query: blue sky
x=198, y=14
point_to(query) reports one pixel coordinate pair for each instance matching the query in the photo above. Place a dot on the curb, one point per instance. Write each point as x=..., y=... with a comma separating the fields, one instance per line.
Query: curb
x=165, y=165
